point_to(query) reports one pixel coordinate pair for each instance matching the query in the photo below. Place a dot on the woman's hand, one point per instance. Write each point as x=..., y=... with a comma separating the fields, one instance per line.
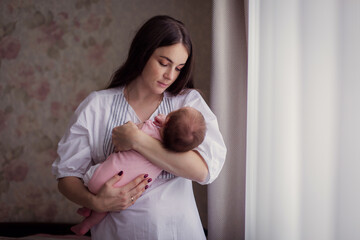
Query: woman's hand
x=111, y=198
x=124, y=136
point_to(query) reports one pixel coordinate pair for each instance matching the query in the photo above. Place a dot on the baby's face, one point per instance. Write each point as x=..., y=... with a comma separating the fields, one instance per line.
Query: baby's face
x=161, y=132
x=163, y=125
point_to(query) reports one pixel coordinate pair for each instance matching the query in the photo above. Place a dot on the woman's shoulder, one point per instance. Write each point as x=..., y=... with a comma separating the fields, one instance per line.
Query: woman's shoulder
x=98, y=98
x=188, y=97
x=105, y=93
x=184, y=94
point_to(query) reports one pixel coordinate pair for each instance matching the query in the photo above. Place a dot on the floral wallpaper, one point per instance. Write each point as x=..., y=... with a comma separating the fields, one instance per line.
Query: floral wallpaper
x=52, y=55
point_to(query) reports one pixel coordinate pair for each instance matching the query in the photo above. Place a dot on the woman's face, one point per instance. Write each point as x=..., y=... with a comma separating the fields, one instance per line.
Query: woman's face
x=163, y=67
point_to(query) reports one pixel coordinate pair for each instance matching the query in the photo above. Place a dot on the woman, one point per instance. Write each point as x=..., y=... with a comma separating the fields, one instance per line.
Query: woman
x=156, y=78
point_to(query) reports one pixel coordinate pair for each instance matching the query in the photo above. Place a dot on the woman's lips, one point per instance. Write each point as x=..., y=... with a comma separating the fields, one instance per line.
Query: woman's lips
x=163, y=85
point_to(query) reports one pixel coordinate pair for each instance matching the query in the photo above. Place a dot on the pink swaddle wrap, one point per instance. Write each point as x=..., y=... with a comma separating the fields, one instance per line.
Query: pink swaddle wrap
x=130, y=162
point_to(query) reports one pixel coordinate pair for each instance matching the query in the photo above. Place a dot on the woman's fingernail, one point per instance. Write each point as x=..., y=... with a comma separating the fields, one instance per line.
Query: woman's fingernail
x=146, y=187
x=149, y=180
x=146, y=175
x=120, y=173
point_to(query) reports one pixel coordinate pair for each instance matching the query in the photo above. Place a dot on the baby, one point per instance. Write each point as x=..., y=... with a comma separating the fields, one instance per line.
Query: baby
x=180, y=131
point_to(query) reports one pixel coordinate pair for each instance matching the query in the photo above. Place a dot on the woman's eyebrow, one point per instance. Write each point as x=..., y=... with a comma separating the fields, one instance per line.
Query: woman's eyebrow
x=170, y=60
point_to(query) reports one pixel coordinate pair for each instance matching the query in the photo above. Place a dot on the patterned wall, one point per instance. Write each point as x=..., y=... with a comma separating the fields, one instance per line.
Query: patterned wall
x=52, y=54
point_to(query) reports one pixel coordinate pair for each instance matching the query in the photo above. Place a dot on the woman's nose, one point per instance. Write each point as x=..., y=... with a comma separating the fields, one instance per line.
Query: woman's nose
x=169, y=74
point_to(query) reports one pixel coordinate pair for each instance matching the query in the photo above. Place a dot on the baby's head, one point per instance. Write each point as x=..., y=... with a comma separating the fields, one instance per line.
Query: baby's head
x=183, y=130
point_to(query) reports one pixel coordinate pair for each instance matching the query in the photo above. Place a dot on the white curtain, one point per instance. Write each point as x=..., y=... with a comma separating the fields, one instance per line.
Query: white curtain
x=226, y=196
x=303, y=133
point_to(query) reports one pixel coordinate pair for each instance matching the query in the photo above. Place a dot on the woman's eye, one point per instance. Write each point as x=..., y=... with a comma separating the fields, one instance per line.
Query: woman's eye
x=163, y=64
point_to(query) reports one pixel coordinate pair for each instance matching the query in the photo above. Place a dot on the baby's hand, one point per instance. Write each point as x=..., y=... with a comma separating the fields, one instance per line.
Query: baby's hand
x=160, y=120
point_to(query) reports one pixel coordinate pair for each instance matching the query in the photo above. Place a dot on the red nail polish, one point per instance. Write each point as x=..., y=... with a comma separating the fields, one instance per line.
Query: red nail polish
x=120, y=173
x=146, y=175
x=146, y=187
x=149, y=180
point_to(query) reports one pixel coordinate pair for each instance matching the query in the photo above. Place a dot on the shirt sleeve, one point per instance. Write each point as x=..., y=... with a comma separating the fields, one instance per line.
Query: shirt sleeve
x=89, y=173
x=74, y=151
x=213, y=148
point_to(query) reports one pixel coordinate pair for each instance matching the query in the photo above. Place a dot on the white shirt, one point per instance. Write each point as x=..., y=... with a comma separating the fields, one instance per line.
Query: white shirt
x=166, y=210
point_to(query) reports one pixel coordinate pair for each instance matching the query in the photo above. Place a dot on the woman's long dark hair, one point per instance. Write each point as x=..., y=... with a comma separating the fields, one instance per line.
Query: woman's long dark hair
x=159, y=31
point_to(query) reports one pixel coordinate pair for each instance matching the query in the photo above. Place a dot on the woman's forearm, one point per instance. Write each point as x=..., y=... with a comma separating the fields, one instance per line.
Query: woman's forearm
x=188, y=164
x=109, y=198
x=74, y=189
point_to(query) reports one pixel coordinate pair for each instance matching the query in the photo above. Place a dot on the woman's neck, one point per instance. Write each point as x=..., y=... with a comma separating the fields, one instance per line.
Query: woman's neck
x=142, y=101
x=140, y=94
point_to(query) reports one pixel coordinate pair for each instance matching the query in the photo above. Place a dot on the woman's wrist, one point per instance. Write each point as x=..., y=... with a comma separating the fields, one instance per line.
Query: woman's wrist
x=126, y=137
x=94, y=201
x=139, y=141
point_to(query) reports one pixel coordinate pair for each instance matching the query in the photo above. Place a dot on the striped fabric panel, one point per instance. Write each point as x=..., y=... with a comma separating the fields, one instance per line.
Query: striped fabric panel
x=117, y=117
